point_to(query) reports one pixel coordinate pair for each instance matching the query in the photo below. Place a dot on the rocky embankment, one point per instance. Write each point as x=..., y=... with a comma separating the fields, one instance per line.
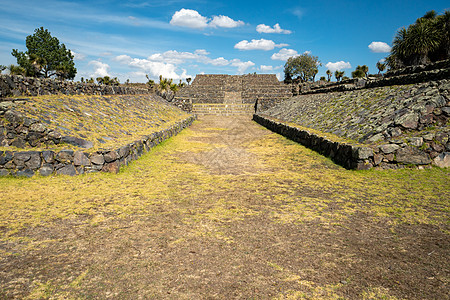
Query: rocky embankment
x=404, y=125
x=78, y=134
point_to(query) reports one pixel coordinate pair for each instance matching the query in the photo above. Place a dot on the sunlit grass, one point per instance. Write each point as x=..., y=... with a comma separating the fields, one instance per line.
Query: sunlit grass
x=293, y=185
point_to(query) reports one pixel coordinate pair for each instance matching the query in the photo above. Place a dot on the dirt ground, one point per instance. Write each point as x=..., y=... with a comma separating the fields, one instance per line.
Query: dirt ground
x=227, y=210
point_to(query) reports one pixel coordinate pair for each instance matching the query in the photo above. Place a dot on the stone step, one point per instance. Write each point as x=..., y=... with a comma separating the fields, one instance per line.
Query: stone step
x=222, y=109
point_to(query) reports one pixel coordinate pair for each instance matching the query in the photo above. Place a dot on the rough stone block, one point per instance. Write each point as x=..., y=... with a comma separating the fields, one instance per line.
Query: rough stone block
x=412, y=155
x=442, y=160
x=25, y=173
x=389, y=148
x=416, y=141
x=97, y=159
x=111, y=156
x=21, y=157
x=362, y=153
x=81, y=159
x=35, y=161
x=65, y=156
x=112, y=167
x=48, y=156
x=46, y=170
x=67, y=170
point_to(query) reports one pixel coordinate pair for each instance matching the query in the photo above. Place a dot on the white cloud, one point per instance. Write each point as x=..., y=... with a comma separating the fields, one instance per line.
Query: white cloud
x=173, y=57
x=379, y=47
x=339, y=65
x=220, y=61
x=166, y=63
x=242, y=66
x=193, y=19
x=264, y=68
x=189, y=18
x=78, y=56
x=225, y=22
x=125, y=59
x=298, y=12
x=100, y=69
x=284, y=54
x=261, y=44
x=262, y=28
x=201, y=52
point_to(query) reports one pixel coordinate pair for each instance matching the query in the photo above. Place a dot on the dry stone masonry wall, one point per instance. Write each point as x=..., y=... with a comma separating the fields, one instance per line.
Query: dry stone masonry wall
x=29, y=86
x=403, y=125
x=74, y=162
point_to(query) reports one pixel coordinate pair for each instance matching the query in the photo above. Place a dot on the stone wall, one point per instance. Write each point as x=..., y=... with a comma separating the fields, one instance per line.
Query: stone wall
x=234, y=89
x=70, y=162
x=403, y=124
x=393, y=155
x=29, y=86
x=410, y=75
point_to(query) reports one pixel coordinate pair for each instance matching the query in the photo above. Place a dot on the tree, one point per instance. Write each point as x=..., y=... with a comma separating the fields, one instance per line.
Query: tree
x=427, y=40
x=381, y=67
x=338, y=74
x=329, y=74
x=46, y=57
x=188, y=80
x=304, y=67
x=322, y=78
x=2, y=68
x=360, y=72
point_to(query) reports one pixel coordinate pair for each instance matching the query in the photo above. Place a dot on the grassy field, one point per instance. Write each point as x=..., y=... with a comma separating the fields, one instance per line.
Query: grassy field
x=226, y=210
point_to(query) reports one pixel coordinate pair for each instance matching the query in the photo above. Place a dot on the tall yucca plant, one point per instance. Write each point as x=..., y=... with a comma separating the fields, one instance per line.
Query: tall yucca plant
x=422, y=39
x=427, y=40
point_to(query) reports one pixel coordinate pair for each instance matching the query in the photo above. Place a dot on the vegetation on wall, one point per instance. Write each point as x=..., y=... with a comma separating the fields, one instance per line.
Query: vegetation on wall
x=425, y=41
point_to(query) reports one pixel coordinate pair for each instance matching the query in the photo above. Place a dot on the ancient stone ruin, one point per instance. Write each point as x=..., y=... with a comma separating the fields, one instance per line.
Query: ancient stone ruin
x=397, y=121
x=232, y=94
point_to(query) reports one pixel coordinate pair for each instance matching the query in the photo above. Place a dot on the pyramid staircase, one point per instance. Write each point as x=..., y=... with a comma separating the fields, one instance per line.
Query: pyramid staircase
x=223, y=109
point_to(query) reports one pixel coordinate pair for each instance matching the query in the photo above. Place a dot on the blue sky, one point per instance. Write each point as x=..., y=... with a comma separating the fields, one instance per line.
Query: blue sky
x=179, y=39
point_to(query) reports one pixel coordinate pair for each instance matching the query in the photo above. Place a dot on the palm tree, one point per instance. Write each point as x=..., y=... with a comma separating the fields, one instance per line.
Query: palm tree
x=329, y=74
x=381, y=67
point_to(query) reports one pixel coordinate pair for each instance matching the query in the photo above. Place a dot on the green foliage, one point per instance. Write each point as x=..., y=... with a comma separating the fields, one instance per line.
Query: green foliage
x=381, y=67
x=303, y=67
x=106, y=80
x=2, y=68
x=329, y=74
x=338, y=74
x=360, y=72
x=425, y=41
x=46, y=57
x=16, y=70
x=322, y=78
